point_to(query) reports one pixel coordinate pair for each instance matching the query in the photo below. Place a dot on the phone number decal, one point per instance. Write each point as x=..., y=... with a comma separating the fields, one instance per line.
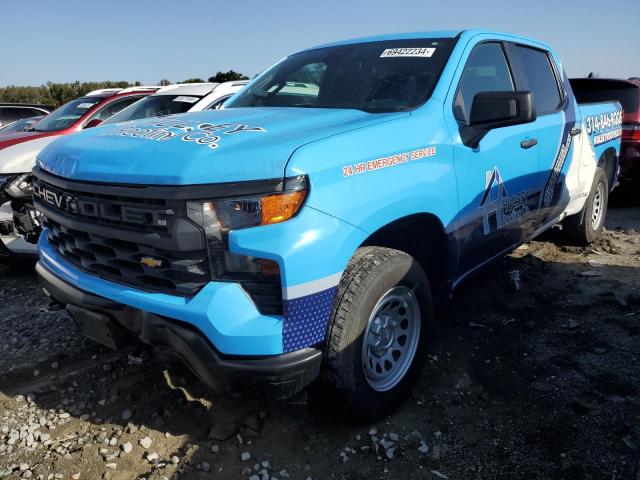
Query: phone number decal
x=603, y=121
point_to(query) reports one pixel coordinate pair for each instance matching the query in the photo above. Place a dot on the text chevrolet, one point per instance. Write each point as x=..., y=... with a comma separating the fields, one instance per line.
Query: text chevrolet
x=308, y=229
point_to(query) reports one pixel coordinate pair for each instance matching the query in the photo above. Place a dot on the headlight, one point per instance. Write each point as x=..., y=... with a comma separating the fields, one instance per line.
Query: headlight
x=19, y=186
x=219, y=216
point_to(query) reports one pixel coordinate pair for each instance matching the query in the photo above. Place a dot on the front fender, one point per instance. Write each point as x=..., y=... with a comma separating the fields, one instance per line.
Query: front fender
x=377, y=174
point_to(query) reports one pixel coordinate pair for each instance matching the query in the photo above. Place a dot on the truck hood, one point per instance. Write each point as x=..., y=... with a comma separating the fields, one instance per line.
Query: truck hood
x=202, y=147
x=18, y=151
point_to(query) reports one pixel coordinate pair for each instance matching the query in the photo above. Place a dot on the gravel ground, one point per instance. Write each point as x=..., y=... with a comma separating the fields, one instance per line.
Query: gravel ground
x=540, y=382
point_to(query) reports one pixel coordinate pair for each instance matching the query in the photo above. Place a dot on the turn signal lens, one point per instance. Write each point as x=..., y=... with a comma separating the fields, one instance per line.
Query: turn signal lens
x=219, y=216
x=282, y=206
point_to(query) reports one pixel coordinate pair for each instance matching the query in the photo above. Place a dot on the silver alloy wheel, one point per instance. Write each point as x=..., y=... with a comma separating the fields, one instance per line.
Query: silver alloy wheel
x=391, y=338
x=597, y=207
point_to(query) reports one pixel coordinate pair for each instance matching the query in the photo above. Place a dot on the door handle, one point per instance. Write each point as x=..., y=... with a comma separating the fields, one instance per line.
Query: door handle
x=528, y=143
x=575, y=131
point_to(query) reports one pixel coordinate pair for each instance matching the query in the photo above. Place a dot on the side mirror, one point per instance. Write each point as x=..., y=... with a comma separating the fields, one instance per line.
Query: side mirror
x=496, y=110
x=93, y=123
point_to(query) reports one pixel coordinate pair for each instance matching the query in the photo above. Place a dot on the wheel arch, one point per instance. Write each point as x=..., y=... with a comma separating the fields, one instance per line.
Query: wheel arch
x=608, y=161
x=421, y=235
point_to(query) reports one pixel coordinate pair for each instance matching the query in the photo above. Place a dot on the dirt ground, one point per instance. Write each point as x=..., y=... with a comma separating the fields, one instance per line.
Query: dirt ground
x=540, y=382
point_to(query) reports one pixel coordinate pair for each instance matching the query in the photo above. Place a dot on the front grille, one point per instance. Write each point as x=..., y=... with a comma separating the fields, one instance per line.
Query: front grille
x=138, y=236
x=179, y=273
x=148, y=244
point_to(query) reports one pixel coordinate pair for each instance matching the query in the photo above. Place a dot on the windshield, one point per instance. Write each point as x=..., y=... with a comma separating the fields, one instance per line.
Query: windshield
x=382, y=76
x=155, y=106
x=20, y=125
x=66, y=115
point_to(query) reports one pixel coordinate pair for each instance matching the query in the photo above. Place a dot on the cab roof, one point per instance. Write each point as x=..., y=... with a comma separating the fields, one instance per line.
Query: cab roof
x=428, y=34
x=200, y=89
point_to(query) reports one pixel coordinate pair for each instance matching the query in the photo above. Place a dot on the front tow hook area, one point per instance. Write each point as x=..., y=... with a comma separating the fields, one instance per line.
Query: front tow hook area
x=98, y=327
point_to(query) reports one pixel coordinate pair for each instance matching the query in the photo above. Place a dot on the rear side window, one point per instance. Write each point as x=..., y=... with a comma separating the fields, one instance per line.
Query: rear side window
x=539, y=78
x=217, y=105
x=486, y=70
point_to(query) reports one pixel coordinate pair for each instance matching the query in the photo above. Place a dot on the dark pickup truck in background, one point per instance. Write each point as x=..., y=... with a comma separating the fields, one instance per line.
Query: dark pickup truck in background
x=627, y=92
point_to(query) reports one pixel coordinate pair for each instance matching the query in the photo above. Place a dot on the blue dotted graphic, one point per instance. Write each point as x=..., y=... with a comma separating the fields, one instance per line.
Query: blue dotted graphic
x=306, y=319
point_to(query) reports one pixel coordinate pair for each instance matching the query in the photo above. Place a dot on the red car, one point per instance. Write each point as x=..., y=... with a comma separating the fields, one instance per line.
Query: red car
x=18, y=151
x=627, y=92
x=84, y=112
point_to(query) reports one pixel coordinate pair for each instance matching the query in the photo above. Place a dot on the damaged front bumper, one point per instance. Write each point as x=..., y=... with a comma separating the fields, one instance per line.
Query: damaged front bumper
x=115, y=325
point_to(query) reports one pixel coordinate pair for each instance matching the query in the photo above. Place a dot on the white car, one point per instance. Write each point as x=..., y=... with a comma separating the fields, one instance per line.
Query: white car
x=169, y=100
x=179, y=98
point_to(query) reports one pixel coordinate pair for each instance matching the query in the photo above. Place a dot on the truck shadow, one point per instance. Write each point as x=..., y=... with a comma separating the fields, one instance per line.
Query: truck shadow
x=541, y=370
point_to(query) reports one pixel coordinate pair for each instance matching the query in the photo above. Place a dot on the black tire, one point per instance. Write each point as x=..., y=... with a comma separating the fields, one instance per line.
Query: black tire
x=371, y=273
x=580, y=227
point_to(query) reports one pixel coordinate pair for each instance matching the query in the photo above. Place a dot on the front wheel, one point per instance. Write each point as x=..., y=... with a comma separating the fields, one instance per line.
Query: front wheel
x=378, y=331
x=585, y=227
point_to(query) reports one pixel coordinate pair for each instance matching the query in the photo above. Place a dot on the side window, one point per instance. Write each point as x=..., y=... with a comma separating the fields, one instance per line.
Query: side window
x=218, y=103
x=539, y=78
x=114, y=107
x=486, y=70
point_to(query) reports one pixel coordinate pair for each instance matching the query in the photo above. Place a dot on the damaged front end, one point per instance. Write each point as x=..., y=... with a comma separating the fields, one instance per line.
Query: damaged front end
x=18, y=216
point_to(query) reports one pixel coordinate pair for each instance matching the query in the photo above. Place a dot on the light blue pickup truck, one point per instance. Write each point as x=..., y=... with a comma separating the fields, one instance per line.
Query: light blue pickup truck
x=308, y=229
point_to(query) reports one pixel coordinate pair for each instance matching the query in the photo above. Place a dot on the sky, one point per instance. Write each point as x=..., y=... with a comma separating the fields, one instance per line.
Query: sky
x=144, y=40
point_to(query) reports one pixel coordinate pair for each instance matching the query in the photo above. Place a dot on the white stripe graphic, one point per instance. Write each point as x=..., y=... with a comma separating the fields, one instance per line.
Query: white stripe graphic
x=309, y=288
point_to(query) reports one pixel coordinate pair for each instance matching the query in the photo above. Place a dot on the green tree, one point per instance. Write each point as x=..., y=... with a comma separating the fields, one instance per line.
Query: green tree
x=229, y=76
x=192, y=80
x=53, y=93
x=164, y=82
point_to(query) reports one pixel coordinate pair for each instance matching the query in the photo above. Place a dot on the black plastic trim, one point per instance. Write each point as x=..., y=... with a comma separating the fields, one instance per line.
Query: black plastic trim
x=114, y=324
x=176, y=192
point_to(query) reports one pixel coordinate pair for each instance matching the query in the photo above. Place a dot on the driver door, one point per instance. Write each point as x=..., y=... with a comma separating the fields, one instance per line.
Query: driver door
x=496, y=180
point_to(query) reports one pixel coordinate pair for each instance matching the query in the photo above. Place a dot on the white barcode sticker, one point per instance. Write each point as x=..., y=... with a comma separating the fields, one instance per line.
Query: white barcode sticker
x=186, y=99
x=408, y=52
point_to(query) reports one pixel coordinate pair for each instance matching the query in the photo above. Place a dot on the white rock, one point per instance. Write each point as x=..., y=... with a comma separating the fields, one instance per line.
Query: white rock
x=111, y=466
x=146, y=442
x=127, y=447
x=245, y=456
